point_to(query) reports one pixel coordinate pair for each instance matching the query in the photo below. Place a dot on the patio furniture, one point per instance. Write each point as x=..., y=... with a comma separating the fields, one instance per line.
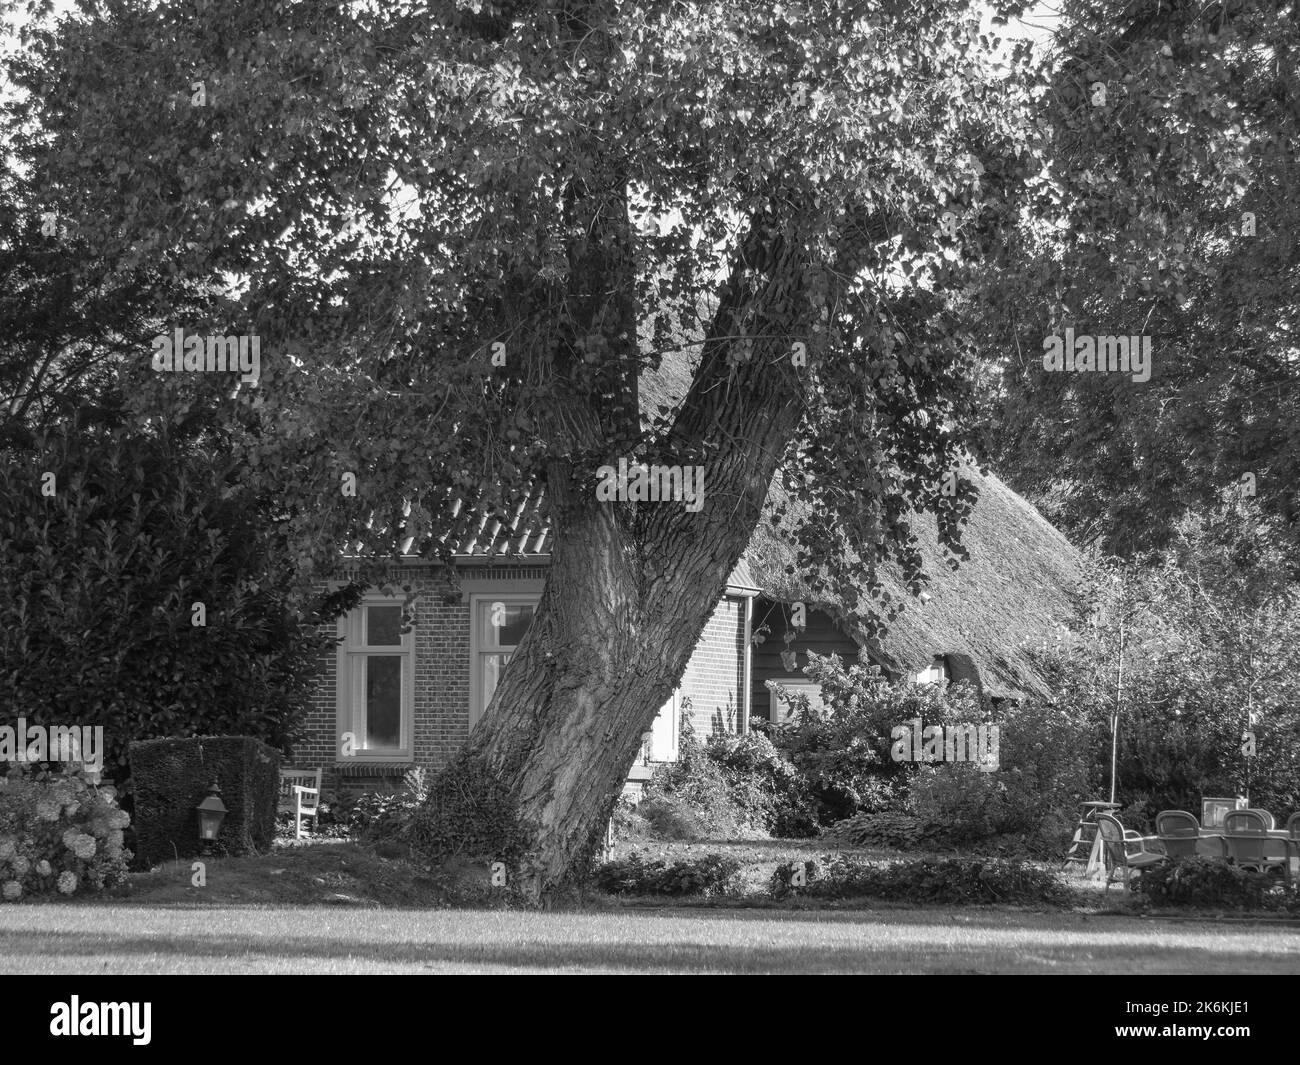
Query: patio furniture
x=1180, y=833
x=1292, y=831
x=299, y=795
x=1252, y=845
x=1086, y=844
x=1117, y=840
x=1268, y=817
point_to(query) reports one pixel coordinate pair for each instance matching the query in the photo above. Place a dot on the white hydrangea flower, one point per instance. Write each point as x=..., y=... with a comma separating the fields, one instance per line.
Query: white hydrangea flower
x=7, y=848
x=85, y=848
x=67, y=882
x=43, y=868
x=70, y=838
x=12, y=890
x=20, y=865
x=47, y=810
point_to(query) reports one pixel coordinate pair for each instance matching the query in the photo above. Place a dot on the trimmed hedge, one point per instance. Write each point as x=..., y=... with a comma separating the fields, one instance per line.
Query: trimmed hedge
x=171, y=778
x=945, y=881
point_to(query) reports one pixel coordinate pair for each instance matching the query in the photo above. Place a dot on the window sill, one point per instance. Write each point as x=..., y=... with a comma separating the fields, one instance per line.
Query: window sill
x=369, y=767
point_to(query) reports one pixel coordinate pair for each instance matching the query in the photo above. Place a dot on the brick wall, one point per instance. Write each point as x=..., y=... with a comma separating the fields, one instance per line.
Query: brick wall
x=714, y=677
x=713, y=680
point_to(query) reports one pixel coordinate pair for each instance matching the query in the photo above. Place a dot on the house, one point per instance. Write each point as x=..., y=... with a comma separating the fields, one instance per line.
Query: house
x=408, y=699
x=388, y=700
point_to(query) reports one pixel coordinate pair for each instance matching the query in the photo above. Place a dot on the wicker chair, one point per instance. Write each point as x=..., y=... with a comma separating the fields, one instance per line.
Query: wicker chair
x=1251, y=847
x=1120, y=864
x=1179, y=832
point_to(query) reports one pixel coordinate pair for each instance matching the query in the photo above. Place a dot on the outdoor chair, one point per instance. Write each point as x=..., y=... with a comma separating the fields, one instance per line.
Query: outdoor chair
x=1117, y=841
x=1251, y=847
x=1179, y=832
x=299, y=795
x=1268, y=818
x=1293, y=832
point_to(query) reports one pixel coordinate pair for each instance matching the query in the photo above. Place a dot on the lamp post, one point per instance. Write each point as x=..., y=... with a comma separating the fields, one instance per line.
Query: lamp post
x=1119, y=701
x=1129, y=607
x=211, y=811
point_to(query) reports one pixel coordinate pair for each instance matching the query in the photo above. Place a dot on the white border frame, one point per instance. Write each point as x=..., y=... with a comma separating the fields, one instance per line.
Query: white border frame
x=514, y=596
x=345, y=716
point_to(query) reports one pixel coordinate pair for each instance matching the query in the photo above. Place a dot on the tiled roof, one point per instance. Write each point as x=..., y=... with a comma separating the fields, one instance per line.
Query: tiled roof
x=528, y=532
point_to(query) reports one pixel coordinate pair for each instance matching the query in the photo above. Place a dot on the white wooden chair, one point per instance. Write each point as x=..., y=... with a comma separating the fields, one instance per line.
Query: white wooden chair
x=299, y=795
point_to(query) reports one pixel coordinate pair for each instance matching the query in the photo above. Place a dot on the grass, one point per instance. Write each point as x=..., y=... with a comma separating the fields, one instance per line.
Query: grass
x=133, y=938
x=341, y=908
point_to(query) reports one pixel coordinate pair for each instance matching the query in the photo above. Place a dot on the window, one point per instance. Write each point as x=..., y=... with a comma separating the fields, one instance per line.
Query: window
x=376, y=677
x=662, y=744
x=782, y=710
x=499, y=623
x=937, y=673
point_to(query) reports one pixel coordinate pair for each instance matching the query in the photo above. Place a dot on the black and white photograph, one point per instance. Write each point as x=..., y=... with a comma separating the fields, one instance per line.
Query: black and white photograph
x=589, y=487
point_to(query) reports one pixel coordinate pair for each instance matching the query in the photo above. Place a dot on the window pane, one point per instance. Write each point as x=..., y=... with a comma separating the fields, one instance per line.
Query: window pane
x=383, y=626
x=383, y=701
x=493, y=667
x=503, y=624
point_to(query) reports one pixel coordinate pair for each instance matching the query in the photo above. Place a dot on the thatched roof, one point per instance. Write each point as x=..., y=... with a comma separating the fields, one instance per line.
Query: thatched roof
x=1016, y=587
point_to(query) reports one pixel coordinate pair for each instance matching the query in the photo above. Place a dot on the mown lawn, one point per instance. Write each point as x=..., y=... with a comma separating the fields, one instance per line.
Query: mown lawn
x=135, y=938
x=340, y=907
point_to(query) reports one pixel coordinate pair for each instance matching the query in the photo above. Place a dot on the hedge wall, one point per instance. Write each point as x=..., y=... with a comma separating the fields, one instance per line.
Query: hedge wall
x=171, y=777
x=98, y=586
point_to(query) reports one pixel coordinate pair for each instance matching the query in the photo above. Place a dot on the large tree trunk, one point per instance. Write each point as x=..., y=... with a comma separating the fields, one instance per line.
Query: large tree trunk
x=611, y=637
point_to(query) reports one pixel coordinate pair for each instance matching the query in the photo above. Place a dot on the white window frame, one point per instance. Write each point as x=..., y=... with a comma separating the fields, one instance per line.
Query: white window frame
x=351, y=627
x=671, y=723
x=476, y=648
x=780, y=710
x=936, y=673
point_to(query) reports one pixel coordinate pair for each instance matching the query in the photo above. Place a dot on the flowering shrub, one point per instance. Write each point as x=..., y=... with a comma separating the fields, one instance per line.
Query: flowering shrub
x=58, y=832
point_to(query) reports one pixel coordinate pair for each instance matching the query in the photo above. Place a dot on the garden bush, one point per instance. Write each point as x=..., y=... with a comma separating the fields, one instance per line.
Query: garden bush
x=58, y=833
x=893, y=829
x=764, y=784
x=670, y=817
x=832, y=766
x=1199, y=881
x=710, y=874
x=946, y=881
x=98, y=582
x=842, y=751
x=698, y=797
x=466, y=813
x=171, y=778
x=378, y=816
